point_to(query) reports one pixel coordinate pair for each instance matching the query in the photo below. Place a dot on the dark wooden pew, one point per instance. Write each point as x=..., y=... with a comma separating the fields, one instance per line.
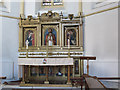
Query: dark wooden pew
x=92, y=83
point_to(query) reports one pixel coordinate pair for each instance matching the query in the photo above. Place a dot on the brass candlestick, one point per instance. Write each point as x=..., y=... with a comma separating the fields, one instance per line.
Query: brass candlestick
x=69, y=48
x=27, y=53
x=68, y=52
x=47, y=50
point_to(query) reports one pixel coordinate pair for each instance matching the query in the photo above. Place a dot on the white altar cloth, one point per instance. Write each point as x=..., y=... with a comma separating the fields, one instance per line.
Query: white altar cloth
x=45, y=61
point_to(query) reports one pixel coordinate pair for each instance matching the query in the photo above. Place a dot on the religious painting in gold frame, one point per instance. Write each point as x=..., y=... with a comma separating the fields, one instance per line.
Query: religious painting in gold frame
x=30, y=36
x=50, y=35
x=72, y=33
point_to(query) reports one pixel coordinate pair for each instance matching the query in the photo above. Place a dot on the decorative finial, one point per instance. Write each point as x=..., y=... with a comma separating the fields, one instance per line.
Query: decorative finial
x=81, y=20
x=38, y=14
x=29, y=17
x=61, y=14
x=71, y=16
x=20, y=15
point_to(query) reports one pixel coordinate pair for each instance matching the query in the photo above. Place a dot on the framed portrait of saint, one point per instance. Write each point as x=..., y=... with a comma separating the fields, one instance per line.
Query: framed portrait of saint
x=50, y=35
x=30, y=37
x=71, y=33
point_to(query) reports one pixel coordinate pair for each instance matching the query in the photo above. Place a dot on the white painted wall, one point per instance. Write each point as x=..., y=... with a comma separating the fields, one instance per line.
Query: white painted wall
x=0, y=46
x=9, y=46
x=119, y=41
x=30, y=7
x=101, y=40
x=9, y=41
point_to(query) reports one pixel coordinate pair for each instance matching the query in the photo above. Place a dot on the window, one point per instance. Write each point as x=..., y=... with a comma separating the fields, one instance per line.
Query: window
x=52, y=3
x=47, y=2
x=57, y=2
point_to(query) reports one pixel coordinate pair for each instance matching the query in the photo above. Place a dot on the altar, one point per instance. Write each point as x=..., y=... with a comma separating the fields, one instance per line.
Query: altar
x=50, y=47
x=46, y=70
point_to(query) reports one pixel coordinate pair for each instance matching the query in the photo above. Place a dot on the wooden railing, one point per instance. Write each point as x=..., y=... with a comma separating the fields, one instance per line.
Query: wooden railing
x=88, y=58
x=92, y=82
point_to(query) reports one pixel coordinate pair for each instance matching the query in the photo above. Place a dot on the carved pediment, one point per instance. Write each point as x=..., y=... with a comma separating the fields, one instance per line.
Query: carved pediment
x=50, y=16
x=29, y=21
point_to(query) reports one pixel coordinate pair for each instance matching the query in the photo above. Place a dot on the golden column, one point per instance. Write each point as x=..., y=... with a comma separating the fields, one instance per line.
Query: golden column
x=87, y=66
x=68, y=77
x=81, y=24
x=22, y=6
x=80, y=5
x=23, y=74
x=47, y=67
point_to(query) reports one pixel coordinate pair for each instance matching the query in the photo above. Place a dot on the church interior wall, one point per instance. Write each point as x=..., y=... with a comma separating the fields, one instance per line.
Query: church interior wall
x=9, y=41
x=101, y=40
x=29, y=8
x=9, y=46
x=118, y=41
x=0, y=46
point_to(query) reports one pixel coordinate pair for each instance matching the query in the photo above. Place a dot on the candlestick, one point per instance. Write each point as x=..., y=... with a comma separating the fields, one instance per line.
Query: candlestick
x=27, y=44
x=68, y=43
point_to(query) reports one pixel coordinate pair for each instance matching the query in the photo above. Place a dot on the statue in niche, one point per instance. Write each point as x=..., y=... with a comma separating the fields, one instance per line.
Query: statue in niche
x=50, y=38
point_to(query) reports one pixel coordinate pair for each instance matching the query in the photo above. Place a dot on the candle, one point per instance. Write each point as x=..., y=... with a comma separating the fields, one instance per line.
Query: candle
x=27, y=44
x=68, y=43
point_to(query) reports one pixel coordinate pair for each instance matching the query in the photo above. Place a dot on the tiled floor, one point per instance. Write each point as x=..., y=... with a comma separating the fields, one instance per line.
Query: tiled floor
x=111, y=84
x=9, y=87
x=108, y=84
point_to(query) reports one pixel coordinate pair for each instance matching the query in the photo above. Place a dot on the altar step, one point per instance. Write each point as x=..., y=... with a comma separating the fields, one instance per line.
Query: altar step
x=45, y=85
x=43, y=88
